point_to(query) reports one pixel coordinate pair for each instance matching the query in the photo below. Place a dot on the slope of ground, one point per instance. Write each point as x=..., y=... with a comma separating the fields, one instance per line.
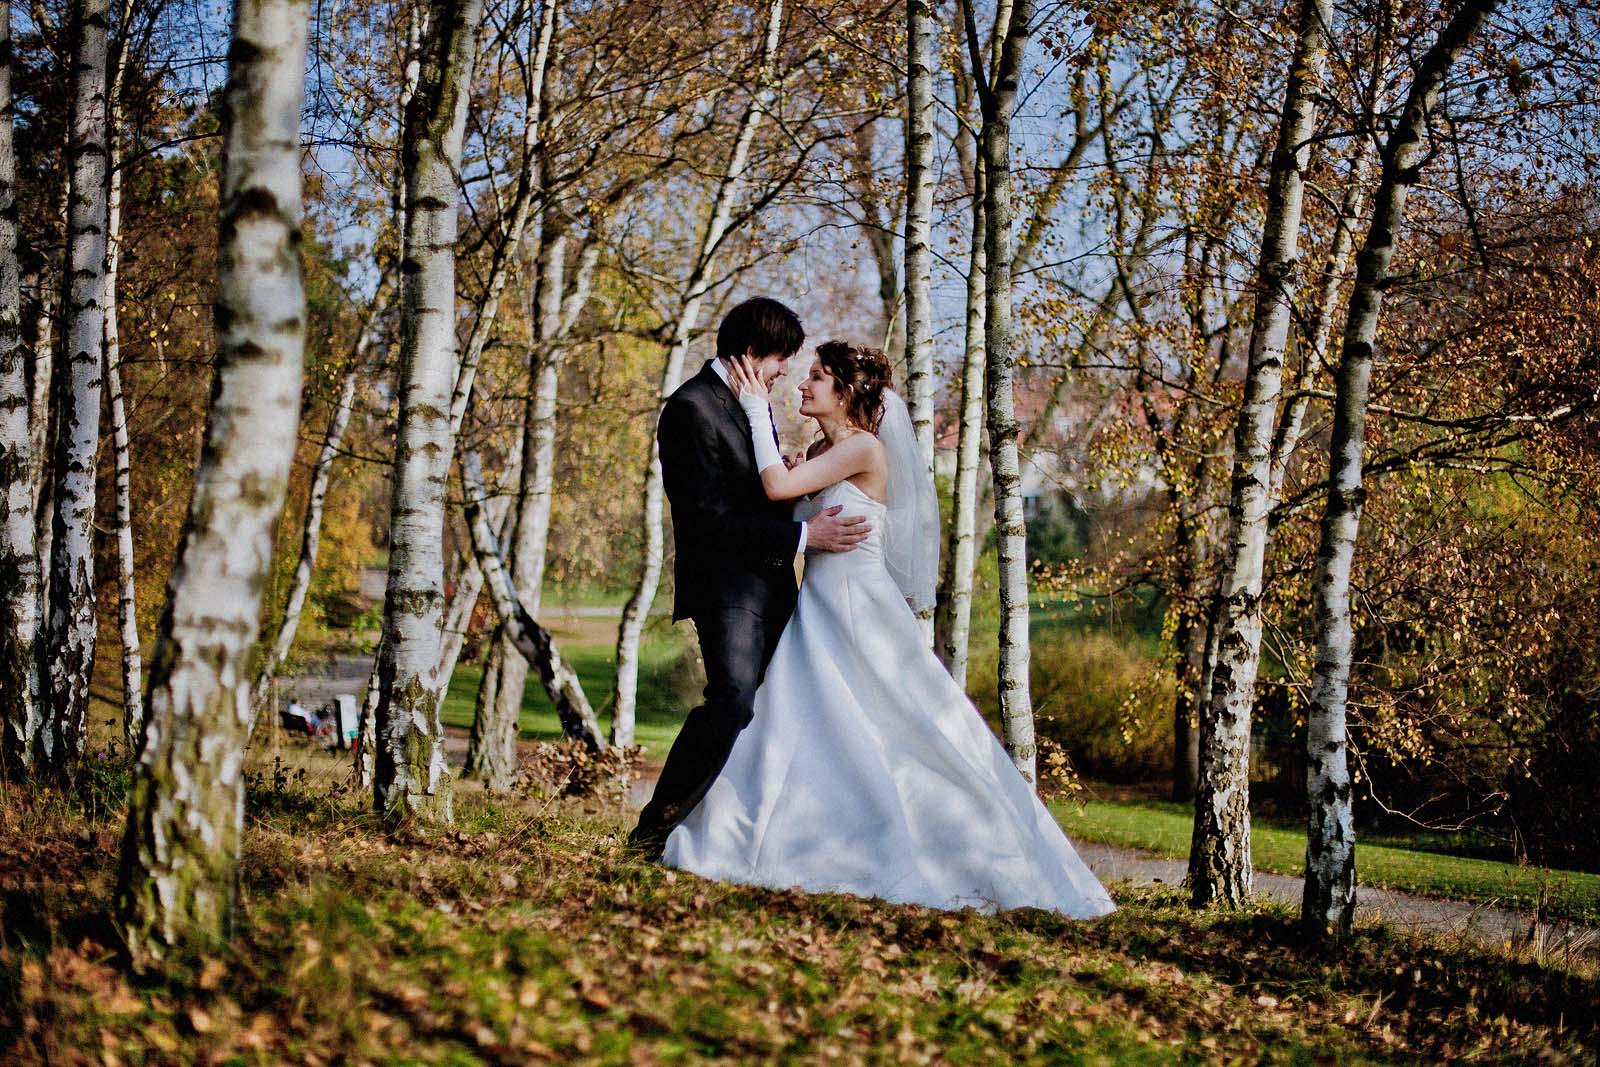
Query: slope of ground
x=523, y=934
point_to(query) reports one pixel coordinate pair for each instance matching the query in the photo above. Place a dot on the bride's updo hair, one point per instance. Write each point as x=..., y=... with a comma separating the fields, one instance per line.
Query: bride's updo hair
x=861, y=375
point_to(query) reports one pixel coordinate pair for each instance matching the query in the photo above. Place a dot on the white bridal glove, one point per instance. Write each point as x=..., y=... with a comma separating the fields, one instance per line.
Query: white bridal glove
x=762, y=436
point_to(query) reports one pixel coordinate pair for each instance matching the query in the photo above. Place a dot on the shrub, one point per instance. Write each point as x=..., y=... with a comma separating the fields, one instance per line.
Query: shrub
x=1098, y=695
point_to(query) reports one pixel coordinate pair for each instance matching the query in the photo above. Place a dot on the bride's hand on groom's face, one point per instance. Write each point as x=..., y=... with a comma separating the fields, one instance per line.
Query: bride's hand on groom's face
x=748, y=379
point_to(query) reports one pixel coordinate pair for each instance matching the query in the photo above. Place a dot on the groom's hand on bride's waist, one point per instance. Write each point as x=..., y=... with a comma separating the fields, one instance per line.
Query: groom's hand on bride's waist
x=828, y=531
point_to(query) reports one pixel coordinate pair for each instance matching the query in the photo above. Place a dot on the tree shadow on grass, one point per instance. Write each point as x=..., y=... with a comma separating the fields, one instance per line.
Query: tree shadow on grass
x=1389, y=989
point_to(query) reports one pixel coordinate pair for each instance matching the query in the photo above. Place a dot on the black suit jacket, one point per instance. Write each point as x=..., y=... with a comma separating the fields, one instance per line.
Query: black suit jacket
x=735, y=548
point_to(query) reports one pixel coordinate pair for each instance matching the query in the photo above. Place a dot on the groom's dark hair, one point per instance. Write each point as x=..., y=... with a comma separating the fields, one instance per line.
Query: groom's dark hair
x=763, y=325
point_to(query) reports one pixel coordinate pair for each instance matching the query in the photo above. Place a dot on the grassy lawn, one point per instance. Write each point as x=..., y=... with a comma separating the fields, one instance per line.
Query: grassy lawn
x=557, y=598
x=661, y=706
x=525, y=935
x=1165, y=829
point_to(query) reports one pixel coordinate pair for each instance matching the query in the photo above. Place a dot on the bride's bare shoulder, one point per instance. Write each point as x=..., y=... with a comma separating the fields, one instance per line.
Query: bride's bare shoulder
x=860, y=446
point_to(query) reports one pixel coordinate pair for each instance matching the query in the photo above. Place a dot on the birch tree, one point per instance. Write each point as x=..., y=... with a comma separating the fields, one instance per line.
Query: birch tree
x=70, y=624
x=532, y=640
x=1219, y=852
x=492, y=743
x=470, y=577
x=410, y=778
x=953, y=617
x=367, y=721
x=695, y=290
x=180, y=854
x=468, y=588
x=19, y=557
x=122, y=489
x=469, y=583
x=1328, y=905
x=969, y=523
x=1286, y=438
x=919, y=221
x=491, y=748
x=491, y=751
x=997, y=99
x=527, y=192
x=513, y=222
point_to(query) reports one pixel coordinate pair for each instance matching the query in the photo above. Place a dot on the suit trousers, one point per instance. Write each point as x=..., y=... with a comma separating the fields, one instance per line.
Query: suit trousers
x=736, y=645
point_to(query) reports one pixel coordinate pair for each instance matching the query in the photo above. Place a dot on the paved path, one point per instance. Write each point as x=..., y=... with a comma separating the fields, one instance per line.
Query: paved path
x=1452, y=918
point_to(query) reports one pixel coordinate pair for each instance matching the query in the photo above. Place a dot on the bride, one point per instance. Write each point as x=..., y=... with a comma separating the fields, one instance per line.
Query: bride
x=866, y=769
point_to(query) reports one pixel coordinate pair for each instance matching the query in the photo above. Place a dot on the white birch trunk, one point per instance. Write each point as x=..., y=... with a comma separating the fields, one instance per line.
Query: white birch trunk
x=71, y=620
x=1329, y=902
x=186, y=812
x=367, y=722
x=999, y=99
x=919, y=222
x=532, y=640
x=637, y=609
x=953, y=620
x=1219, y=852
x=457, y=619
x=127, y=607
x=463, y=601
x=918, y=252
x=453, y=632
x=311, y=530
x=19, y=556
x=492, y=746
x=496, y=762
x=410, y=777
x=469, y=578
x=1287, y=437
x=365, y=750
x=534, y=108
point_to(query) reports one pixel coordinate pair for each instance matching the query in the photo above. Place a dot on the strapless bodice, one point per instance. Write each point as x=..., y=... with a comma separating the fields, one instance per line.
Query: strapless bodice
x=855, y=502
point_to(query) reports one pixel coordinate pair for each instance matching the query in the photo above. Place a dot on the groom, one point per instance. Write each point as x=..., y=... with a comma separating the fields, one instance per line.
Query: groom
x=736, y=552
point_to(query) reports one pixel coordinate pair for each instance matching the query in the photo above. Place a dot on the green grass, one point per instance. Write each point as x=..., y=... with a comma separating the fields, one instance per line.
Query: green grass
x=558, y=597
x=660, y=706
x=1165, y=829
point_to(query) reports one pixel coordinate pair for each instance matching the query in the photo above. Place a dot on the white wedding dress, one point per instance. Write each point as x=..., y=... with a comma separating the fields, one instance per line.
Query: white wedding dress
x=866, y=769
